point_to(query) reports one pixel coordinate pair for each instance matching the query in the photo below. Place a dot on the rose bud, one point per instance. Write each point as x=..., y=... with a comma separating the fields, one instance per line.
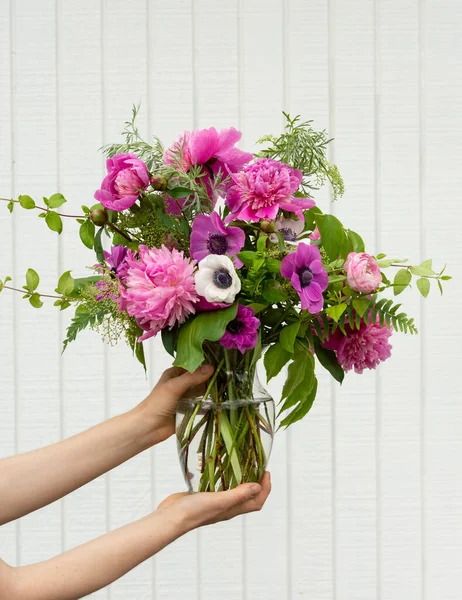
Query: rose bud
x=99, y=217
x=267, y=226
x=158, y=183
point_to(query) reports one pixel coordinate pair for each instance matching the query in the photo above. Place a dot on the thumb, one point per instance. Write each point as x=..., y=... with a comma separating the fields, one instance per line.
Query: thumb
x=179, y=385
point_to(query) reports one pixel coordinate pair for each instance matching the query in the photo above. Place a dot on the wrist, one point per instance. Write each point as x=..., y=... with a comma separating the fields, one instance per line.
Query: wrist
x=144, y=427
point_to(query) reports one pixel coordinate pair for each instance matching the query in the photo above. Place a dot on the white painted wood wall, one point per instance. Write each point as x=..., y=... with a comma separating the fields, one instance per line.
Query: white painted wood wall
x=367, y=500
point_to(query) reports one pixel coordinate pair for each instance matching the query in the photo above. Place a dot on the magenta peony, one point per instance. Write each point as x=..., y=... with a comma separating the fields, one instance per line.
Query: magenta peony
x=241, y=332
x=264, y=188
x=363, y=273
x=126, y=177
x=362, y=348
x=160, y=289
x=210, y=236
x=210, y=147
x=307, y=276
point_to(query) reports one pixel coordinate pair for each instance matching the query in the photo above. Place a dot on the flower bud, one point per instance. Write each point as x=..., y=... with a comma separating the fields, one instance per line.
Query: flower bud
x=99, y=217
x=158, y=183
x=267, y=226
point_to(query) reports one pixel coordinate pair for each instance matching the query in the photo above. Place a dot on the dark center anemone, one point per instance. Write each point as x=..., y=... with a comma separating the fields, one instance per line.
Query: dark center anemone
x=234, y=326
x=222, y=279
x=217, y=243
x=305, y=274
x=288, y=234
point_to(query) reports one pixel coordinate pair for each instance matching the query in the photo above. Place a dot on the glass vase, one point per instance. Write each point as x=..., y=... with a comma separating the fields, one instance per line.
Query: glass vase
x=225, y=432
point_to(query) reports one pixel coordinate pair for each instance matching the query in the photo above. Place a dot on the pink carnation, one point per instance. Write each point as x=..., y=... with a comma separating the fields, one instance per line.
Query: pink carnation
x=264, y=188
x=362, y=348
x=160, y=289
x=363, y=273
x=126, y=177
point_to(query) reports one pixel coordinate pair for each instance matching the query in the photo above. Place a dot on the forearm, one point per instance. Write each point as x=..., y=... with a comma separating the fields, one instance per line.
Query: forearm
x=98, y=563
x=34, y=479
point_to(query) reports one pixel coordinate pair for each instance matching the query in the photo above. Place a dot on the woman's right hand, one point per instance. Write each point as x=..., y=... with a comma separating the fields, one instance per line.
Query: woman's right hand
x=204, y=508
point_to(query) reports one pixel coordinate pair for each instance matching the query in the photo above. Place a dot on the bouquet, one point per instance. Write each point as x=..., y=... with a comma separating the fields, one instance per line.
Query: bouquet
x=225, y=255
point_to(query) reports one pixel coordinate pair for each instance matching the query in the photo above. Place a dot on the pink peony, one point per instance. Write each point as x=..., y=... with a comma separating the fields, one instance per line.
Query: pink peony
x=264, y=188
x=126, y=177
x=210, y=147
x=362, y=348
x=160, y=289
x=363, y=273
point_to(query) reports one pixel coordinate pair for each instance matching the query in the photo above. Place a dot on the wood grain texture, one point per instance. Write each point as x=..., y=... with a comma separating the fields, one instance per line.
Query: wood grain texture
x=367, y=492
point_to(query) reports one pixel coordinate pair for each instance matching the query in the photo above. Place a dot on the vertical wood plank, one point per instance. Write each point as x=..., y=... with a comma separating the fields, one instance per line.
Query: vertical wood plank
x=397, y=229
x=124, y=68
x=309, y=455
x=261, y=102
x=441, y=89
x=7, y=300
x=171, y=111
x=352, y=47
x=83, y=378
x=37, y=335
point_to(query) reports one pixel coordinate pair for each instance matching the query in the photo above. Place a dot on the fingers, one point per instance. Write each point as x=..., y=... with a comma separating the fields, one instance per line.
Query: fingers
x=169, y=374
x=178, y=384
x=171, y=499
x=253, y=504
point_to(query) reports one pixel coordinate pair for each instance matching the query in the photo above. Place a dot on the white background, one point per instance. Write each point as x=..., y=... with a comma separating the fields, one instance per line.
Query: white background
x=367, y=499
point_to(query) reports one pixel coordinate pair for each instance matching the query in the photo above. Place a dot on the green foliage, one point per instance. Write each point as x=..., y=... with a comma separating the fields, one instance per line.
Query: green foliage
x=55, y=201
x=87, y=233
x=301, y=147
x=54, y=221
x=288, y=335
x=32, y=280
x=334, y=238
x=151, y=154
x=99, y=246
x=203, y=326
x=26, y=202
x=4, y=282
x=274, y=359
x=10, y=205
x=423, y=286
x=84, y=317
x=328, y=359
x=402, y=280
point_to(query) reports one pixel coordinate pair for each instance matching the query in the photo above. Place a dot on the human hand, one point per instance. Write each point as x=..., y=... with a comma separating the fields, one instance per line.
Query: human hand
x=159, y=407
x=204, y=508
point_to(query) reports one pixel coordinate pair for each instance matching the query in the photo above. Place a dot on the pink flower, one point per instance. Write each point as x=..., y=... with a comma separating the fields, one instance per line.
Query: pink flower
x=210, y=236
x=160, y=289
x=241, y=332
x=363, y=273
x=264, y=188
x=210, y=147
x=362, y=348
x=126, y=177
x=307, y=276
x=315, y=235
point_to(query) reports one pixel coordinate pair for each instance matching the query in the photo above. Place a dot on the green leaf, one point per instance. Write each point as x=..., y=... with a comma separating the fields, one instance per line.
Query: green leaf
x=288, y=335
x=401, y=281
x=87, y=234
x=383, y=264
x=256, y=307
x=54, y=222
x=335, y=312
x=10, y=205
x=99, y=246
x=440, y=286
x=422, y=271
x=273, y=265
x=247, y=257
x=302, y=409
x=169, y=339
x=446, y=277
x=35, y=301
x=32, y=280
x=275, y=358
x=296, y=374
x=427, y=264
x=328, y=360
x=424, y=286
x=356, y=241
x=361, y=305
x=179, y=192
x=273, y=292
x=332, y=234
x=56, y=200
x=380, y=256
x=26, y=202
x=261, y=242
x=65, y=284
x=42, y=215
x=204, y=326
x=139, y=353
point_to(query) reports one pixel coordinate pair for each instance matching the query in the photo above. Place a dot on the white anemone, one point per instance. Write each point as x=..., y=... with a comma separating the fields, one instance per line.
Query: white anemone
x=216, y=279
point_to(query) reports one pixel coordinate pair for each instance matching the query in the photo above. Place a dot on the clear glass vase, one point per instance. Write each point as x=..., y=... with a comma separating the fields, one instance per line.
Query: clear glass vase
x=225, y=433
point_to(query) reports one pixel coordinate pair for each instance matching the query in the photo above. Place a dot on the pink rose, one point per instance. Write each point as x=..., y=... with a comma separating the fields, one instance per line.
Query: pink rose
x=363, y=273
x=126, y=177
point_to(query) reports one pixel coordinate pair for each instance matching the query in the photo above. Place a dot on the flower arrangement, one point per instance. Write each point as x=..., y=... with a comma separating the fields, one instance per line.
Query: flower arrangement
x=226, y=255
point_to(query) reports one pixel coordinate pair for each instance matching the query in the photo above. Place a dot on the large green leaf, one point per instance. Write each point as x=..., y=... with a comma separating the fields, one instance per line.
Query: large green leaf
x=275, y=358
x=402, y=279
x=204, y=326
x=333, y=236
x=288, y=335
x=303, y=388
x=302, y=409
x=87, y=233
x=328, y=360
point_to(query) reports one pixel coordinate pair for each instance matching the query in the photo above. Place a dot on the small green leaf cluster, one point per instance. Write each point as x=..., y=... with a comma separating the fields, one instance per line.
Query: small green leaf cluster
x=52, y=218
x=402, y=280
